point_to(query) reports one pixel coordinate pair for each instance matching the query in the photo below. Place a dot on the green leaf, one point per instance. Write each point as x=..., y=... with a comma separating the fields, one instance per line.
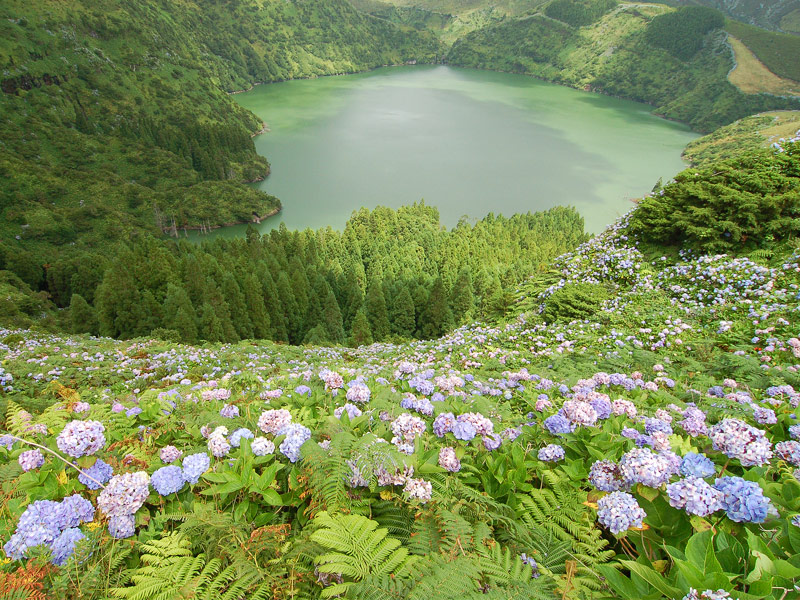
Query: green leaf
x=652, y=577
x=272, y=497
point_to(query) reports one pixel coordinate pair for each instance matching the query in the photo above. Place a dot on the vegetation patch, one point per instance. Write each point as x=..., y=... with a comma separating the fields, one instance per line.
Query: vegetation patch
x=778, y=51
x=752, y=77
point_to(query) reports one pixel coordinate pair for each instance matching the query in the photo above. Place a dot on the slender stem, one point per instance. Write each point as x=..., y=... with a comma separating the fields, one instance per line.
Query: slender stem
x=61, y=458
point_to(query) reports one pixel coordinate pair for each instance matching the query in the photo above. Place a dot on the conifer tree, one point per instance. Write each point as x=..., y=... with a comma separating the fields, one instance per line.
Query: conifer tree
x=361, y=334
x=402, y=317
x=210, y=327
x=179, y=313
x=377, y=312
x=256, y=310
x=332, y=319
x=294, y=319
x=238, y=308
x=437, y=316
x=462, y=299
x=83, y=317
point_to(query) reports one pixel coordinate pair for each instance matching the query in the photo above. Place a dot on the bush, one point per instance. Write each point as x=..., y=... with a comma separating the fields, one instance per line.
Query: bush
x=574, y=301
x=681, y=32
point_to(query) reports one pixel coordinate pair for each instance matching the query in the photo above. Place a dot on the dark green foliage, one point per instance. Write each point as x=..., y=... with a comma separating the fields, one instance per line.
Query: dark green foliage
x=778, y=51
x=361, y=335
x=82, y=316
x=579, y=12
x=574, y=301
x=402, y=315
x=681, y=32
x=744, y=203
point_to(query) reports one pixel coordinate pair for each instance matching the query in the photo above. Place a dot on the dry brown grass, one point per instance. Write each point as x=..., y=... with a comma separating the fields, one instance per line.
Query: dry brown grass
x=752, y=77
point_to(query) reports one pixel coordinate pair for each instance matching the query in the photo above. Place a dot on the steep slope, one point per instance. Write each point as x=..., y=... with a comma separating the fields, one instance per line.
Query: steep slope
x=116, y=119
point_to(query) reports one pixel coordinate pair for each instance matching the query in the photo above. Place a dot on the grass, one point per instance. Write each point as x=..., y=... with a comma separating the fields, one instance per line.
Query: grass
x=778, y=51
x=753, y=77
x=791, y=22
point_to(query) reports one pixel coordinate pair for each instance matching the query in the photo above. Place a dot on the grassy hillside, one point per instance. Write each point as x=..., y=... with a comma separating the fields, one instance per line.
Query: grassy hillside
x=777, y=51
x=633, y=435
x=115, y=117
x=619, y=55
x=743, y=136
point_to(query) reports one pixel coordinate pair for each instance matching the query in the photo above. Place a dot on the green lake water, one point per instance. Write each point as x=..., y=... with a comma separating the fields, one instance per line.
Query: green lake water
x=468, y=142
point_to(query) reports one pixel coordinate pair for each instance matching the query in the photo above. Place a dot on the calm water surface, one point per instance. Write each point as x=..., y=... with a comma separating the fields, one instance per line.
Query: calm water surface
x=468, y=142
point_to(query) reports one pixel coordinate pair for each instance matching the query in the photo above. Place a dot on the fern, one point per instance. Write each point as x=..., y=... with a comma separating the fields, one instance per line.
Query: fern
x=356, y=549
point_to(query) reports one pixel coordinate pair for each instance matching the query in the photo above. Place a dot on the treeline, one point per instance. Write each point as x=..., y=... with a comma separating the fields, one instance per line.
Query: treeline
x=681, y=33
x=579, y=13
x=388, y=274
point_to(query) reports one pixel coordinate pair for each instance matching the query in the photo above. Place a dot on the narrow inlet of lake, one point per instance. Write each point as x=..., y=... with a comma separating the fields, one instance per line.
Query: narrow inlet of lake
x=467, y=142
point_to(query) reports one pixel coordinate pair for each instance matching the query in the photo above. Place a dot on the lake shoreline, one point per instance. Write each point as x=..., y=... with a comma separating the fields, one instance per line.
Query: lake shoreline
x=204, y=228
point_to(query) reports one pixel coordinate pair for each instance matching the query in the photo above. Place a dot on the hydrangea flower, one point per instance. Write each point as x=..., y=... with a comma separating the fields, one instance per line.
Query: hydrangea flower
x=168, y=480
x=64, y=545
x=296, y=436
x=242, y=432
x=492, y=441
x=743, y=501
x=217, y=444
x=272, y=421
x=764, y=416
x=443, y=424
x=418, y=489
x=124, y=494
x=352, y=411
x=448, y=460
x=695, y=496
x=558, y=424
x=464, y=430
x=194, y=466
x=406, y=428
x=579, y=413
x=229, y=411
x=707, y=595
x=261, y=446
x=697, y=465
x=99, y=472
x=358, y=393
x=81, y=438
x=528, y=560
x=606, y=477
x=31, y=459
x=737, y=439
x=788, y=451
x=122, y=526
x=619, y=511
x=641, y=465
x=169, y=454
x=551, y=453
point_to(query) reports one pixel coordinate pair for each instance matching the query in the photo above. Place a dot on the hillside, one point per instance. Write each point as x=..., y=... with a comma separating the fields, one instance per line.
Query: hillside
x=632, y=434
x=116, y=121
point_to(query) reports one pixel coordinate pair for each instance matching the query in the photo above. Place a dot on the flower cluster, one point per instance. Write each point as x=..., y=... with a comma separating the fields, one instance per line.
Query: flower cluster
x=358, y=392
x=418, y=489
x=261, y=446
x=737, y=439
x=606, y=476
x=406, y=428
x=742, y=500
x=551, y=453
x=169, y=454
x=217, y=444
x=619, y=511
x=195, y=465
x=99, y=472
x=229, y=411
x=46, y=523
x=697, y=465
x=695, y=496
x=81, y=438
x=122, y=497
x=168, y=480
x=448, y=459
x=272, y=421
x=31, y=459
x=296, y=436
x=351, y=409
x=642, y=465
x=239, y=434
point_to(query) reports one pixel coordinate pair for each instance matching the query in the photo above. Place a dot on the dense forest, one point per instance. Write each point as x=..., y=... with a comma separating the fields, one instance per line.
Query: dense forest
x=388, y=274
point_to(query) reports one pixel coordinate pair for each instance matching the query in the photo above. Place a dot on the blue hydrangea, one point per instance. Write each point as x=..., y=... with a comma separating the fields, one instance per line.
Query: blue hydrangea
x=31, y=459
x=695, y=496
x=296, y=436
x=464, y=430
x=743, y=501
x=697, y=465
x=75, y=510
x=551, y=453
x=168, y=480
x=641, y=465
x=242, y=432
x=558, y=424
x=619, y=511
x=99, y=471
x=64, y=545
x=194, y=466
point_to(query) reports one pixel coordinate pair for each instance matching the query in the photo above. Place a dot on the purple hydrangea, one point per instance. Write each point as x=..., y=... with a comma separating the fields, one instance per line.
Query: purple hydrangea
x=358, y=393
x=229, y=411
x=788, y=451
x=737, y=439
x=443, y=424
x=81, y=438
x=492, y=441
x=602, y=406
x=418, y=489
x=448, y=460
x=464, y=430
x=606, y=477
x=169, y=454
x=124, y=494
x=122, y=526
x=697, y=465
x=194, y=466
x=352, y=411
x=695, y=496
x=641, y=465
x=528, y=560
x=168, y=480
x=619, y=511
x=743, y=501
x=551, y=453
x=707, y=595
x=100, y=472
x=579, y=413
x=217, y=444
x=31, y=459
x=764, y=416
